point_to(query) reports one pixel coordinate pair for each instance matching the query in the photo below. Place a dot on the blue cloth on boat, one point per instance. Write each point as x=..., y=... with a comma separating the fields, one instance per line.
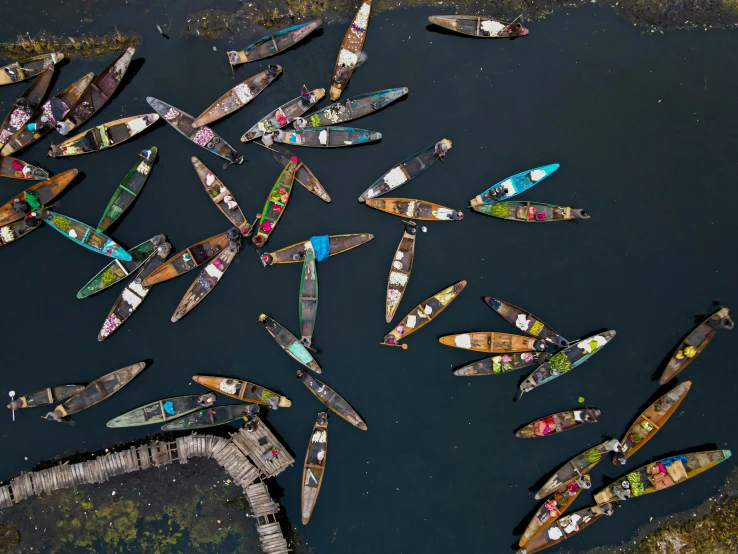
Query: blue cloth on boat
x=667, y=461
x=169, y=407
x=322, y=247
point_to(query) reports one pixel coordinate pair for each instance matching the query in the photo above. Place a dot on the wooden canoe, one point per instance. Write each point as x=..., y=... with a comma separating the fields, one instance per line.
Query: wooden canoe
x=160, y=411
x=354, y=107
x=13, y=168
x=503, y=363
x=100, y=389
x=572, y=470
x=187, y=260
x=25, y=106
x=351, y=47
x=308, y=301
x=557, y=423
x=134, y=293
x=129, y=188
x=209, y=277
x=303, y=175
x=104, y=136
x=116, y=270
x=652, y=419
x=45, y=120
x=400, y=270
x=514, y=185
x=221, y=196
x=526, y=322
x=314, y=467
x=289, y=343
x=273, y=44
x=101, y=89
x=237, y=97
x=202, y=136
x=331, y=399
x=86, y=236
x=49, y=395
x=496, y=343
x=422, y=314
x=530, y=212
x=14, y=231
x=661, y=475
x=46, y=190
x=329, y=137
x=696, y=342
x=478, y=26
x=412, y=208
x=295, y=253
x=275, y=205
x=406, y=170
x=29, y=67
x=564, y=361
x=241, y=390
x=566, y=527
x=284, y=115
x=207, y=417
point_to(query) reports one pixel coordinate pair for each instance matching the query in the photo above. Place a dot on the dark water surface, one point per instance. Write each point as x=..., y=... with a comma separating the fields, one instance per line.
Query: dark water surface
x=642, y=128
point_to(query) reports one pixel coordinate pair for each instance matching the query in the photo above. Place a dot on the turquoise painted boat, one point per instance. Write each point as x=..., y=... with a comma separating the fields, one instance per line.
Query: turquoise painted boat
x=86, y=236
x=512, y=186
x=329, y=137
x=273, y=44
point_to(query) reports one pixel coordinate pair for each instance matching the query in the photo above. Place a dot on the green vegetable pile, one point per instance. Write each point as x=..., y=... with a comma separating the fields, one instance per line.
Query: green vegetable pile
x=109, y=277
x=61, y=223
x=500, y=210
x=267, y=394
x=636, y=486
x=559, y=363
x=592, y=455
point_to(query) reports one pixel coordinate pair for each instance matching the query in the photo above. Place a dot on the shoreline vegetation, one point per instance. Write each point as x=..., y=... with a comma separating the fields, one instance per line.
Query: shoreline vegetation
x=45, y=43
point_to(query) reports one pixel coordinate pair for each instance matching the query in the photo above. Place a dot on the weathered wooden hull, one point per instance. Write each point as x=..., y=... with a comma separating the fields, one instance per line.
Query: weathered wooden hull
x=276, y=204
x=49, y=395
x=273, y=44
x=289, y=343
x=104, y=136
x=514, y=185
x=558, y=423
x=187, y=260
x=86, y=236
x=238, y=96
x=13, y=231
x=27, y=68
x=504, y=363
x=129, y=188
x=241, y=390
x=295, y=253
x=303, y=175
x=698, y=339
x=494, y=343
x=476, y=26
x=579, y=465
x=351, y=47
x=354, y=107
x=332, y=400
x=313, y=469
x=400, y=270
x=330, y=137
x=284, y=115
x=157, y=412
x=415, y=209
x=20, y=115
x=545, y=517
x=567, y=527
x=530, y=212
x=526, y=322
x=207, y=417
x=218, y=193
x=13, y=168
x=46, y=190
x=308, y=301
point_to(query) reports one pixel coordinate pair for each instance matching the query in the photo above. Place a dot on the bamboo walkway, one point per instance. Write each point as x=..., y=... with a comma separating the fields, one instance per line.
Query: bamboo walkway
x=247, y=457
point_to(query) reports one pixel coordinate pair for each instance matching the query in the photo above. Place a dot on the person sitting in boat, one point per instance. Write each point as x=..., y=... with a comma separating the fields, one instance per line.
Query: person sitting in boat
x=299, y=123
x=553, y=510
x=32, y=220
x=622, y=491
x=342, y=74
x=613, y=445
x=206, y=399
x=499, y=193
x=57, y=416
x=20, y=206
x=514, y=30
x=584, y=482
x=63, y=127
x=440, y=149
x=267, y=138
x=273, y=402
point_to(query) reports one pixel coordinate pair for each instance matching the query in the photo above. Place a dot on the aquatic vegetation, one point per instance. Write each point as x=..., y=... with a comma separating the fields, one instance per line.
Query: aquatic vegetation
x=9, y=536
x=25, y=46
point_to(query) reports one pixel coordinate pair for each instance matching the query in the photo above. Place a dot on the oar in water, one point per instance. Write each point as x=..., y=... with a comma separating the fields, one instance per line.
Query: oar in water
x=12, y=399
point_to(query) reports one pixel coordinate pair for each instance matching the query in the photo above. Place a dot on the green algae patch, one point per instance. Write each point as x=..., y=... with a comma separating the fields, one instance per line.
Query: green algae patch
x=45, y=43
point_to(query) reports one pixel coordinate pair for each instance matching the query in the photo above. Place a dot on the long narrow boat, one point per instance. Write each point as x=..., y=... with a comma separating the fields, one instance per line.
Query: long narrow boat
x=104, y=136
x=29, y=67
x=303, y=175
x=422, y=314
x=530, y=212
x=503, y=363
x=495, y=343
x=13, y=168
x=98, y=93
x=162, y=410
x=661, y=475
x=566, y=527
x=308, y=301
x=354, y=107
x=207, y=417
x=275, y=205
x=129, y=188
x=351, y=47
x=651, y=421
x=49, y=395
x=415, y=209
x=273, y=44
x=221, y=196
x=558, y=423
x=187, y=260
x=313, y=469
x=202, y=136
x=134, y=293
x=514, y=185
x=329, y=137
x=400, y=270
x=209, y=277
x=46, y=118
x=572, y=470
x=100, y=389
x=696, y=342
x=41, y=193
x=331, y=399
x=289, y=343
x=478, y=26
x=526, y=321
x=564, y=361
x=242, y=390
x=324, y=246
x=116, y=270
x=14, y=231
x=406, y=170
x=284, y=115
x=86, y=236
x=25, y=106
x=237, y=97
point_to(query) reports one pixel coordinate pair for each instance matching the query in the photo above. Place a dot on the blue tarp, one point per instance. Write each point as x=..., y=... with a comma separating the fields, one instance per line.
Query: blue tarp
x=169, y=407
x=322, y=247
